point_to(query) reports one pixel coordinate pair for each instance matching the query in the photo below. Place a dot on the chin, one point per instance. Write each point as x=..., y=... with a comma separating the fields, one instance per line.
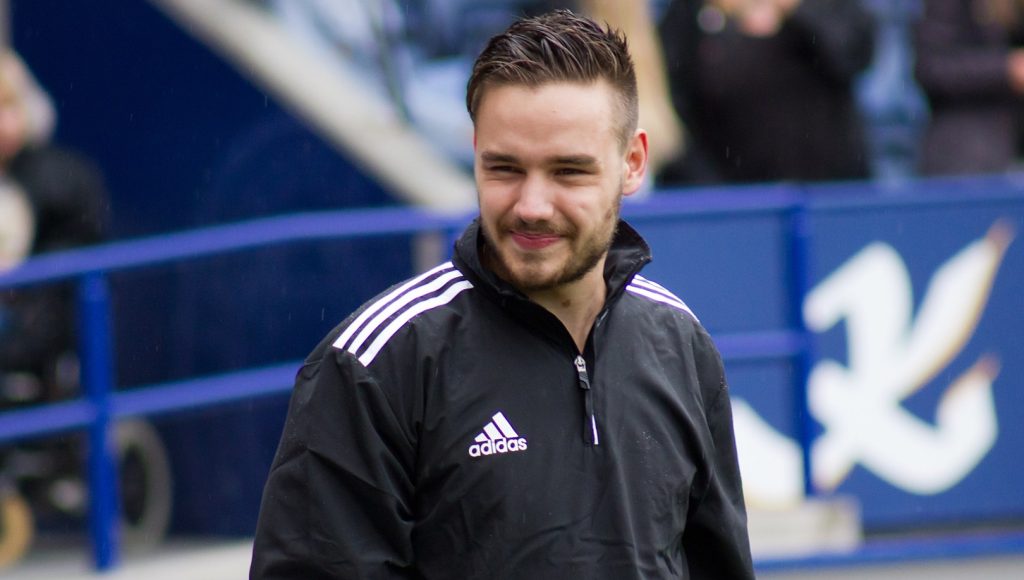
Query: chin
x=526, y=278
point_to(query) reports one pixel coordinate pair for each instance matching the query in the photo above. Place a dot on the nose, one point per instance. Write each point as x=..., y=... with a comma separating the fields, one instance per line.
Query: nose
x=535, y=200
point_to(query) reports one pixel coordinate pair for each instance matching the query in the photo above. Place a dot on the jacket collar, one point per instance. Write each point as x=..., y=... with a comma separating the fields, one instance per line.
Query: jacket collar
x=627, y=255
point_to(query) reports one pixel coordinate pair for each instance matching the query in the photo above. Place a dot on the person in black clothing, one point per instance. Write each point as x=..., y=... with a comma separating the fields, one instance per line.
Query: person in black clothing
x=68, y=204
x=765, y=89
x=534, y=408
x=970, y=63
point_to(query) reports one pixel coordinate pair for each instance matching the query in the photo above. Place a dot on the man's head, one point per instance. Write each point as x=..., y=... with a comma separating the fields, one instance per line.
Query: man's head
x=556, y=147
x=558, y=47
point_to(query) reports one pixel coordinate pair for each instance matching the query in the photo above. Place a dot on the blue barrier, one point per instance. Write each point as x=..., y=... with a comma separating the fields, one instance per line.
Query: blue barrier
x=101, y=403
x=790, y=211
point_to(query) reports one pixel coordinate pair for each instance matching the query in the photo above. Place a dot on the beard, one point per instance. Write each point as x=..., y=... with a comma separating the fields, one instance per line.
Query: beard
x=533, y=272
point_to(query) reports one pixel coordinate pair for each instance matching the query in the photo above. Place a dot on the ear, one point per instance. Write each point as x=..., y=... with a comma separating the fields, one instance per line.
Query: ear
x=635, y=163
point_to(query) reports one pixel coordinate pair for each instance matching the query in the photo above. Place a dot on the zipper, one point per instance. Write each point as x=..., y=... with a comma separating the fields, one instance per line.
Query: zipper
x=589, y=421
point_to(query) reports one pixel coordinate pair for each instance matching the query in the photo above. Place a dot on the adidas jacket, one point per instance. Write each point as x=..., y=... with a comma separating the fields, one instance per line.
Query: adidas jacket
x=450, y=429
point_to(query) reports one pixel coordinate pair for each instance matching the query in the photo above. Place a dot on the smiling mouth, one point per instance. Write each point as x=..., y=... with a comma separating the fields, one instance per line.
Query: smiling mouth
x=534, y=240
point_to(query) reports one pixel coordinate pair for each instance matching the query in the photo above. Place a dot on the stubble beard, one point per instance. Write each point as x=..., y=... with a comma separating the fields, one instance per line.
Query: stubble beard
x=529, y=276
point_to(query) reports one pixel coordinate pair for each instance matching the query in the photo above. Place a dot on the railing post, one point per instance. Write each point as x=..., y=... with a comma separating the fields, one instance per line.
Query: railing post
x=799, y=284
x=96, y=348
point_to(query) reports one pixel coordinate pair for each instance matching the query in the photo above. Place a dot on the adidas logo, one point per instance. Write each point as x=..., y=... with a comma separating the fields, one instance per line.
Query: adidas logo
x=497, y=437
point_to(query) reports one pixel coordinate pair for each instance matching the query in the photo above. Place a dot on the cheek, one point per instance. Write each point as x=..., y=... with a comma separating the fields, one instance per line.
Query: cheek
x=496, y=197
x=594, y=207
x=492, y=206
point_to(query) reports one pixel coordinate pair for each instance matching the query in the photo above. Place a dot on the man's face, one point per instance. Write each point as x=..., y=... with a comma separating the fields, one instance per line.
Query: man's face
x=550, y=175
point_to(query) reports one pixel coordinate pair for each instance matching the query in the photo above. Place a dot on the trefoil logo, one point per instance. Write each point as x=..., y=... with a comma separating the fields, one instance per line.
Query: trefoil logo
x=498, y=437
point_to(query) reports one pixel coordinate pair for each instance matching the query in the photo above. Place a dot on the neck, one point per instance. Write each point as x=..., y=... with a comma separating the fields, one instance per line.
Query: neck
x=577, y=304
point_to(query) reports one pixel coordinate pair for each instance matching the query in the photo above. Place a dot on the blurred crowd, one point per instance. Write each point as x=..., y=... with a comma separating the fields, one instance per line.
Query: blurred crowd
x=733, y=91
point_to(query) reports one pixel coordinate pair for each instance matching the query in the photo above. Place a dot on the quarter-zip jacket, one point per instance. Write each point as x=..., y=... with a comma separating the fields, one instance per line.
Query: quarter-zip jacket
x=451, y=429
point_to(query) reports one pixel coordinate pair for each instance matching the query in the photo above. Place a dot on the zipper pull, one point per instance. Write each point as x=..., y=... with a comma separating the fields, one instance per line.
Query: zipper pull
x=589, y=422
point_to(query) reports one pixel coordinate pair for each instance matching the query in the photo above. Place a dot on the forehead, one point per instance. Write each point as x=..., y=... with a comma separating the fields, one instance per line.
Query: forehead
x=547, y=115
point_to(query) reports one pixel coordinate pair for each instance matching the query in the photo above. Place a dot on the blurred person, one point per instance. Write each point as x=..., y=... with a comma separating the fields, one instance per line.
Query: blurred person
x=970, y=63
x=534, y=408
x=765, y=88
x=63, y=205
x=893, y=105
x=49, y=199
x=67, y=207
x=636, y=20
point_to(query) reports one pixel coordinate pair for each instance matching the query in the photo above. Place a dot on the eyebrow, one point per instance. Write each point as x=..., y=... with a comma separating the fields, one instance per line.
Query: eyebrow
x=577, y=160
x=491, y=157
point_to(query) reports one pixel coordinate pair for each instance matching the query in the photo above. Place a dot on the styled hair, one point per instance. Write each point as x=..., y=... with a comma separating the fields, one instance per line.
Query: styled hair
x=558, y=47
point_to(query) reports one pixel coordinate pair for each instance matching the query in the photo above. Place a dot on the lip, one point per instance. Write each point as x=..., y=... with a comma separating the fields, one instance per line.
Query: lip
x=534, y=241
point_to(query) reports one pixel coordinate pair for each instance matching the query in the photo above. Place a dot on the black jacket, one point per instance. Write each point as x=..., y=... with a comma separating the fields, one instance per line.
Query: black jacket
x=448, y=430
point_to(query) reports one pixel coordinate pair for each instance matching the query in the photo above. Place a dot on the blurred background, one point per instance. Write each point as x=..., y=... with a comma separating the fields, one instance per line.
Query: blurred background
x=194, y=192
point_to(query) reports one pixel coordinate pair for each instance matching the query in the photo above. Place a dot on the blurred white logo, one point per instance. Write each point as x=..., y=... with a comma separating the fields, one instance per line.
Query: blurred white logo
x=892, y=353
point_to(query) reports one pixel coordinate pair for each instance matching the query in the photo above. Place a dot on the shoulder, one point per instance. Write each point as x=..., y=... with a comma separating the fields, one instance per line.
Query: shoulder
x=659, y=315
x=385, y=318
x=655, y=297
x=663, y=314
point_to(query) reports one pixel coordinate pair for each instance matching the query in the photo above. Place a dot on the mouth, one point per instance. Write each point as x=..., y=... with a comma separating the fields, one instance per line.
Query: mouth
x=534, y=240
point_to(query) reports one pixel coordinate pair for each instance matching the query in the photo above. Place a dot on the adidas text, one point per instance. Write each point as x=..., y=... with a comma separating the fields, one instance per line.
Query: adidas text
x=498, y=446
x=498, y=436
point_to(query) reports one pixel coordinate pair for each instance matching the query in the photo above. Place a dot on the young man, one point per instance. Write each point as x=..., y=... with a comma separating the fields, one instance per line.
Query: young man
x=535, y=408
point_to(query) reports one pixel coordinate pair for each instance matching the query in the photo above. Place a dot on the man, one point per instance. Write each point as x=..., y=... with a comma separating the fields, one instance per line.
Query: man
x=535, y=408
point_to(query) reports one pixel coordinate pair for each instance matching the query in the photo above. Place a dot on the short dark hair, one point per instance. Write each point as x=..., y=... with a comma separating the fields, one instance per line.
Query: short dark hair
x=557, y=47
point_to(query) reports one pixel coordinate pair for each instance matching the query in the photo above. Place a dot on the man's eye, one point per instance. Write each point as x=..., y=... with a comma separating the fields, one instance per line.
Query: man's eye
x=569, y=171
x=502, y=169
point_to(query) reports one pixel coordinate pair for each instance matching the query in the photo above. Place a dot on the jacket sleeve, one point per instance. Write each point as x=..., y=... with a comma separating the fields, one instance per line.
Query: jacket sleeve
x=338, y=500
x=716, y=541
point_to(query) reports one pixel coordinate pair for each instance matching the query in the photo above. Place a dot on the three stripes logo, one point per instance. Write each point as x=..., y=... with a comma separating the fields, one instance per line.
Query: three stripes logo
x=498, y=437
x=370, y=332
x=653, y=291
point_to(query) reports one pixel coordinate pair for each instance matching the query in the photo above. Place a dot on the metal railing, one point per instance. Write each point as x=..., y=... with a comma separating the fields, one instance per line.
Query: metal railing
x=102, y=403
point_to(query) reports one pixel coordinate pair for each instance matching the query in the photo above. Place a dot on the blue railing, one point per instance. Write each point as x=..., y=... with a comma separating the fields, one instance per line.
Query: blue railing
x=104, y=403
